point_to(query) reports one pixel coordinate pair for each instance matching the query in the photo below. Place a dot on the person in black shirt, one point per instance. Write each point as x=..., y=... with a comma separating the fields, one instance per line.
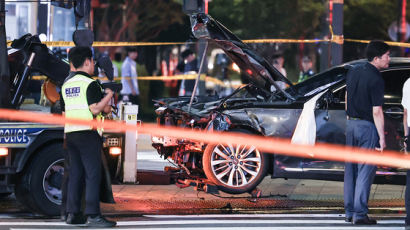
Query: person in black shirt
x=365, y=128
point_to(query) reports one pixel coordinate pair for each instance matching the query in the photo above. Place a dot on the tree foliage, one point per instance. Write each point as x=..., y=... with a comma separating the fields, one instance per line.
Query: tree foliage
x=269, y=19
x=369, y=19
x=136, y=20
x=144, y=20
x=363, y=19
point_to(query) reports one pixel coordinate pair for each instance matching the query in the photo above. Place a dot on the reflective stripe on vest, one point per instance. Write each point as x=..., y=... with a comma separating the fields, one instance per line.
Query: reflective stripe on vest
x=74, y=93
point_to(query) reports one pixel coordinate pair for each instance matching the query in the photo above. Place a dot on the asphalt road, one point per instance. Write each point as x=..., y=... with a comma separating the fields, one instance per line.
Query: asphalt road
x=286, y=204
x=215, y=222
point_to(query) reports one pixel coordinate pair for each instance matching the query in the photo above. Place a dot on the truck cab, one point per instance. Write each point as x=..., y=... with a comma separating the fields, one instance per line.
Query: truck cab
x=32, y=155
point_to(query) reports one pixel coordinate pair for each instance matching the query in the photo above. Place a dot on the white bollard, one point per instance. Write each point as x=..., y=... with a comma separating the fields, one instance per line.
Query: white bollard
x=130, y=113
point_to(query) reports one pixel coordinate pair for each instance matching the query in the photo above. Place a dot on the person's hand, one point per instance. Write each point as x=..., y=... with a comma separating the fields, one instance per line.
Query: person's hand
x=134, y=93
x=108, y=91
x=382, y=144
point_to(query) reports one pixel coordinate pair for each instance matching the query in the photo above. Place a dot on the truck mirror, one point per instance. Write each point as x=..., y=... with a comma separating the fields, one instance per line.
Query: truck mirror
x=104, y=63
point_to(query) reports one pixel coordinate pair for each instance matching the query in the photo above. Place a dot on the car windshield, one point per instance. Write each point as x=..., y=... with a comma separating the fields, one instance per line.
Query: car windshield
x=319, y=82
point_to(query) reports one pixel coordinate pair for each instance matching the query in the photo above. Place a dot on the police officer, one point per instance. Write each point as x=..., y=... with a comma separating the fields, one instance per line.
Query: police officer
x=83, y=99
x=307, y=71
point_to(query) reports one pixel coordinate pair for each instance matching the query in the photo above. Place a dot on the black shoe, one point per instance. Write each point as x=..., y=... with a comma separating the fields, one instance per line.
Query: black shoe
x=365, y=221
x=75, y=219
x=348, y=219
x=100, y=221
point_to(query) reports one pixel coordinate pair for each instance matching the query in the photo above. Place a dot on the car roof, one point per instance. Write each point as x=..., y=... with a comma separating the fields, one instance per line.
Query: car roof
x=336, y=74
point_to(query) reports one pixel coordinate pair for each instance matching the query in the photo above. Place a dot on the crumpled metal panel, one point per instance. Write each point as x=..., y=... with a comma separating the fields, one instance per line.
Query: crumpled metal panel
x=268, y=121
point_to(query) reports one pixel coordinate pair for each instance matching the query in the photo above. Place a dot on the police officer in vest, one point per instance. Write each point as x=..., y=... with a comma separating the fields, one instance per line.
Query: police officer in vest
x=83, y=98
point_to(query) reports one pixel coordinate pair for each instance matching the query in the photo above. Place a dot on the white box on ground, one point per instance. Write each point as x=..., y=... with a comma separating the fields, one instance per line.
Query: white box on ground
x=130, y=113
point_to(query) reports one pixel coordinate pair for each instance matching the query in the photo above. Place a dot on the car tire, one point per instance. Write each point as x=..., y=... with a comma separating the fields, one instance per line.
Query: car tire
x=39, y=186
x=232, y=173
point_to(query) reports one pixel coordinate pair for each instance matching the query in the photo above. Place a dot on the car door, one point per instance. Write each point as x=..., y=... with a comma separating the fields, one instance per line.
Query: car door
x=393, y=110
x=331, y=120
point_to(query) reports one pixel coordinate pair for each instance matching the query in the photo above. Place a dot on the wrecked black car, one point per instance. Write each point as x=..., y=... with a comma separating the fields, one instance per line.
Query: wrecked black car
x=264, y=108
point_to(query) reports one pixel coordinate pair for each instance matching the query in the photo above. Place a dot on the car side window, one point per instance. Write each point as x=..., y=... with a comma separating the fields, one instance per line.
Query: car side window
x=393, y=80
x=393, y=83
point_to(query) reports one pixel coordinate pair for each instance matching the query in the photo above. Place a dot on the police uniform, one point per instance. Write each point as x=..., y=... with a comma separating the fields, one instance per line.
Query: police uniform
x=305, y=75
x=84, y=145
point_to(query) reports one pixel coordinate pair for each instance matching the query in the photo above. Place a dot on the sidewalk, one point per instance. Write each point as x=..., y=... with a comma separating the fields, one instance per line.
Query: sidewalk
x=278, y=195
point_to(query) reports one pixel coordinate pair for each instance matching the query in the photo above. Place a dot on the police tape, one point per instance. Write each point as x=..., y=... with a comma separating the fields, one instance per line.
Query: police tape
x=108, y=43
x=115, y=44
x=333, y=38
x=281, y=146
x=399, y=44
x=161, y=78
x=203, y=77
x=338, y=39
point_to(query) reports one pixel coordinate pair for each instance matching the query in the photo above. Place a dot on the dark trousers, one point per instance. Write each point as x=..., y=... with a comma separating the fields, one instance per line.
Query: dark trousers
x=84, y=149
x=358, y=178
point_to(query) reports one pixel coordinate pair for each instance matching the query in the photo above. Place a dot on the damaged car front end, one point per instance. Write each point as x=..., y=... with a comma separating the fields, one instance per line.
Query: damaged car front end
x=234, y=169
x=263, y=107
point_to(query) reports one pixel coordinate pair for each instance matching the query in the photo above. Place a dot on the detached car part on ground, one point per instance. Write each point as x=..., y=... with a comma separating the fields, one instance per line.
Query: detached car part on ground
x=34, y=167
x=263, y=108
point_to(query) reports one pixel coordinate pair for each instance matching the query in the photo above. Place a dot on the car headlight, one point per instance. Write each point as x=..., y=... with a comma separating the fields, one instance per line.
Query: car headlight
x=115, y=151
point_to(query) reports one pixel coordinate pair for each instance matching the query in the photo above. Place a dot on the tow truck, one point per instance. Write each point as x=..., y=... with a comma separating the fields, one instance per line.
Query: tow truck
x=32, y=155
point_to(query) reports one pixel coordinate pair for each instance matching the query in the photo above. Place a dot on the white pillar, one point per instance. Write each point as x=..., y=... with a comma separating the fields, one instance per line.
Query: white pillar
x=130, y=155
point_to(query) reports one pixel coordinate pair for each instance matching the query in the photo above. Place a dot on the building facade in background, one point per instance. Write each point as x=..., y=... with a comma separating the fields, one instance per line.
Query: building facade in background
x=57, y=24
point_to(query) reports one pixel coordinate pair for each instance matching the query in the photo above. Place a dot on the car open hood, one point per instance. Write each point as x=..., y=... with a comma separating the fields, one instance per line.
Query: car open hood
x=258, y=71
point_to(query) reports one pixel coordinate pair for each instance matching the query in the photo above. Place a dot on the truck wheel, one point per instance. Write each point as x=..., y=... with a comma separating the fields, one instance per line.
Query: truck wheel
x=234, y=168
x=39, y=187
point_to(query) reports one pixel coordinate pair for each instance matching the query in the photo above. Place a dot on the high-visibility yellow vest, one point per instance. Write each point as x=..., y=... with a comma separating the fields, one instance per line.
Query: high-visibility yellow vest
x=74, y=93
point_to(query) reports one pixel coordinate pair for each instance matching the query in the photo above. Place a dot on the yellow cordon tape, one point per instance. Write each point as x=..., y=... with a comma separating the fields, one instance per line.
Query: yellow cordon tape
x=286, y=40
x=334, y=38
x=264, y=144
x=400, y=44
x=338, y=39
x=203, y=77
x=114, y=44
x=162, y=78
x=103, y=44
